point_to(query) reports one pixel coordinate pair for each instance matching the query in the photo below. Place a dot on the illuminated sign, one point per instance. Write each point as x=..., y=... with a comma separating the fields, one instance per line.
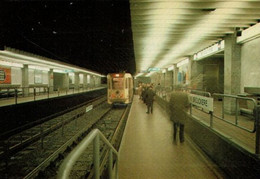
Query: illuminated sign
x=5, y=75
x=154, y=69
x=210, y=50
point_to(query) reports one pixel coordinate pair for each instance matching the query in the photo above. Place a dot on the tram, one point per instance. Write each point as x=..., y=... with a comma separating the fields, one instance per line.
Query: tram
x=120, y=88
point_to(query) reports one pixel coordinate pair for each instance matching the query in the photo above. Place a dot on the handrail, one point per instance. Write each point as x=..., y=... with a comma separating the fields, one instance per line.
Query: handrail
x=256, y=115
x=236, y=107
x=94, y=135
x=202, y=93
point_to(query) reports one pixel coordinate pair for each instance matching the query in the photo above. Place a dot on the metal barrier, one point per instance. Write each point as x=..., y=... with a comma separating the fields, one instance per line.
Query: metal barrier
x=94, y=136
x=255, y=115
x=202, y=93
x=39, y=92
x=236, y=110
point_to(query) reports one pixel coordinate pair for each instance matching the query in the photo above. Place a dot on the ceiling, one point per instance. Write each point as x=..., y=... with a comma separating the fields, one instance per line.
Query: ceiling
x=168, y=31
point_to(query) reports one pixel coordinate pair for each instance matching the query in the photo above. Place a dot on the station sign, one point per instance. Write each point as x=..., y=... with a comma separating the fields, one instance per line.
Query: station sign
x=153, y=69
x=201, y=101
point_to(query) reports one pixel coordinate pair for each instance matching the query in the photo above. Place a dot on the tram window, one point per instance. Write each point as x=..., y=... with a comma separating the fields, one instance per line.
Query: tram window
x=118, y=83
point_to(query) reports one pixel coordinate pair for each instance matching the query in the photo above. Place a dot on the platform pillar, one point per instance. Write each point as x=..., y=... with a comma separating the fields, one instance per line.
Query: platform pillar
x=51, y=81
x=85, y=81
x=175, y=71
x=232, y=72
x=25, y=80
x=76, y=84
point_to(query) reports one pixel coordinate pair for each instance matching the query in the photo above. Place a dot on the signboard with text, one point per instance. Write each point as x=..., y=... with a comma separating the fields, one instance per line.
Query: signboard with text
x=5, y=75
x=201, y=101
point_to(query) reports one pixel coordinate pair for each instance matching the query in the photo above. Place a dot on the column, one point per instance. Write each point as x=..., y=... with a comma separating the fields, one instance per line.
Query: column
x=85, y=81
x=189, y=71
x=176, y=70
x=76, y=84
x=25, y=80
x=51, y=83
x=232, y=71
x=66, y=82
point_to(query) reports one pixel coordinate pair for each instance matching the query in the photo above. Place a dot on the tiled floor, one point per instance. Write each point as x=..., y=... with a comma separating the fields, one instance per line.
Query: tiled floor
x=148, y=150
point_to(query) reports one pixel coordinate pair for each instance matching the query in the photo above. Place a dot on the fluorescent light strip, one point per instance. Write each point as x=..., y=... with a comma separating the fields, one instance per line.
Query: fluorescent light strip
x=10, y=64
x=38, y=68
x=33, y=59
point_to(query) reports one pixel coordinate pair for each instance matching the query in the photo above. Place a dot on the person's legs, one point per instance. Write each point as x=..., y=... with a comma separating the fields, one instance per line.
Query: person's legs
x=181, y=132
x=175, y=128
x=147, y=109
x=152, y=107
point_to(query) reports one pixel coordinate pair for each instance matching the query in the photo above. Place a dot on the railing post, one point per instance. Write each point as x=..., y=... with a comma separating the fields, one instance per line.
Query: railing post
x=236, y=111
x=223, y=110
x=211, y=119
x=96, y=157
x=34, y=93
x=110, y=164
x=16, y=95
x=257, y=123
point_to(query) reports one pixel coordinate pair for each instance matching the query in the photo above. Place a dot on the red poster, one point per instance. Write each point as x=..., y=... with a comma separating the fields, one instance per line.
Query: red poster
x=5, y=75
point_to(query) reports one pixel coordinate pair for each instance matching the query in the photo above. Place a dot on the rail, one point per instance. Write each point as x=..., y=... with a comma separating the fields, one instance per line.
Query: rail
x=255, y=114
x=94, y=136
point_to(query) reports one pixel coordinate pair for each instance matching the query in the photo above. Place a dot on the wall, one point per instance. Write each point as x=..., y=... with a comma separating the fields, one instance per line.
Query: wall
x=250, y=64
x=60, y=81
x=200, y=74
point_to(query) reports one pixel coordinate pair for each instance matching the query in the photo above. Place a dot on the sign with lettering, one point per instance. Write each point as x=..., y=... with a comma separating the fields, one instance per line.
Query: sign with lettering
x=201, y=101
x=5, y=75
x=90, y=107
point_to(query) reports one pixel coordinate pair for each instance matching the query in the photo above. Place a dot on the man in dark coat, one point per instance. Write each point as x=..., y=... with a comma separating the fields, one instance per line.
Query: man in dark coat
x=178, y=105
x=149, y=99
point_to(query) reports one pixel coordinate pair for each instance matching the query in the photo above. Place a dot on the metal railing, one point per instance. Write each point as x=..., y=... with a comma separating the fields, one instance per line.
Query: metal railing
x=255, y=115
x=237, y=110
x=94, y=136
x=19, y=94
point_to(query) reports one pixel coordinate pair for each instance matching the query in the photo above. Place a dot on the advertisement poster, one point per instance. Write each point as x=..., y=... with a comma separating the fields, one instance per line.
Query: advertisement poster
x=38, y=77
x=5, y=75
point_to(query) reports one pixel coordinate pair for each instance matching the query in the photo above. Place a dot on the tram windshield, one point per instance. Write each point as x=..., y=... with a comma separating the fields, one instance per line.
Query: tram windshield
x=118, y=83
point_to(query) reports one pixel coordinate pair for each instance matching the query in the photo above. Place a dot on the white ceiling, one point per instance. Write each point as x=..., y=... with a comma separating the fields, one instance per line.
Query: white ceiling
x=167, y=31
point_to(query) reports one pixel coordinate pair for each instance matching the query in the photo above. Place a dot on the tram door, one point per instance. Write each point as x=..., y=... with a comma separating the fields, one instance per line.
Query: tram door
x=211, y=78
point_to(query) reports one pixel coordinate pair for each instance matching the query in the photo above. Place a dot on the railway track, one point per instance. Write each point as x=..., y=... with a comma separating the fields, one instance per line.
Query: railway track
x=37, y=152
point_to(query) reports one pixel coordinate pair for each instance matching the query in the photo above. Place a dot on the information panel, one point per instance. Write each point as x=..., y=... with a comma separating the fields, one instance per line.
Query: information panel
x=201, y=101
x=5, y=75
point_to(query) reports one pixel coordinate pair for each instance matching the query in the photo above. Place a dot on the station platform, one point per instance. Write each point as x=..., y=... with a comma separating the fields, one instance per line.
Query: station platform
x=148, y=150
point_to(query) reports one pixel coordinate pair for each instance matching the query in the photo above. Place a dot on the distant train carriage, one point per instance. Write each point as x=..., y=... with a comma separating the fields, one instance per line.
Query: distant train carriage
x=119, y=88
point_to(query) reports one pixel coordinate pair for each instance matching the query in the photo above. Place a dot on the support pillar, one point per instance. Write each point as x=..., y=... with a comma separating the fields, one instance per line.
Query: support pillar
x=51, y=81
x=176, y=70
x=25, y=80
x=76, y=84
x=189, y=71
x=232, y=71
x=85, y=81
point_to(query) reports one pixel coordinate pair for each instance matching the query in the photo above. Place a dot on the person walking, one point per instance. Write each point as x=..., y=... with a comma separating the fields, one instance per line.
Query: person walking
x=149, y=99
x=178, y=106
